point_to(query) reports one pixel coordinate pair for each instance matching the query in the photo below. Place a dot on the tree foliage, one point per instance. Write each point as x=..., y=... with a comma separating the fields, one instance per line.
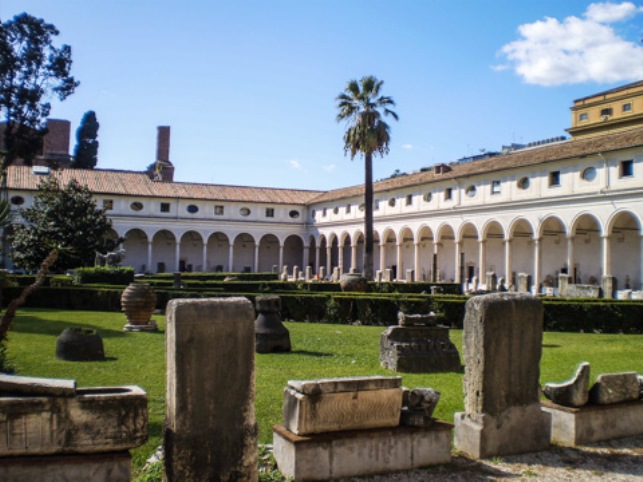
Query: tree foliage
x=67, y=219
x=32, y=70
x=86, y=150
x=363, y=108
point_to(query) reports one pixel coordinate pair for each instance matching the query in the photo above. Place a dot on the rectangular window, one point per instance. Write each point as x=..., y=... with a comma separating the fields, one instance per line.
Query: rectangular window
x=554, y=178
x=218, y=210
x=626, y=169
x=627, y=107
x=448, y=194
x=108, y=204
x=348, y=208
x=324, y=213
x=606, y=112
x=583, y=117
x=270, y=212
x=165, y=207
x=376, y=205
x=409, y=199
x=495, y=187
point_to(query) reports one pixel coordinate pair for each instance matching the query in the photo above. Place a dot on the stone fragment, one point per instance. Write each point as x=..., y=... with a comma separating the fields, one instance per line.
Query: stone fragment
x=615, y=388
x=210, y=431
x=318, y=406
x=418, y=406
x=270, y=333
x=53, y=387
x=572, y=393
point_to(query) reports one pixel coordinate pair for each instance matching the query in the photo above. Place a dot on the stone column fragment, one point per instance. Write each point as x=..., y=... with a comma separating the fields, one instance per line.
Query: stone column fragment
x=210, y=430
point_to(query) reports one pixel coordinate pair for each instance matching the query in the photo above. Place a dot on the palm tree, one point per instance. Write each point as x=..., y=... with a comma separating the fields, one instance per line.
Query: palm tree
x=362, y=106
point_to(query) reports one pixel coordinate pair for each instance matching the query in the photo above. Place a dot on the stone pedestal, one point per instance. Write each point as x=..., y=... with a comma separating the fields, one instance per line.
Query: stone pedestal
x=502, y=348
x=524, y=283
x=338, y=404
x=210, y=431
x=564, y=280
x=270, y=333
x=360, y=452
x=410, y=275
x=322, y=273
x=594, y=423
x=309, y=274
x=388, y=275
x=418, y=349
x=608, y=283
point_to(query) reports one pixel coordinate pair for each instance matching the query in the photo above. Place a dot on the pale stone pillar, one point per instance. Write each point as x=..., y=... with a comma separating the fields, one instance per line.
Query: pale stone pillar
x=416, y=260
x=177, y=254
x=281, y=255
x=340, y=258
x=607, y=255
x=382, y=256
x=399, y=275
x=353, y=257
x=149, y=256
x=230, y=257
x=306, y=257
x=436, y=261
x=482, y=262
x=508, y=266
x=536, y=286
x=205, y=257
x=317, y=252
x=328, y=259
x=570, y=256
x=458, y=248
x=210, y=429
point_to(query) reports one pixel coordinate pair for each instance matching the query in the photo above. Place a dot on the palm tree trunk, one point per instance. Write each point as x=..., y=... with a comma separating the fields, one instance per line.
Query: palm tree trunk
x=368, y=216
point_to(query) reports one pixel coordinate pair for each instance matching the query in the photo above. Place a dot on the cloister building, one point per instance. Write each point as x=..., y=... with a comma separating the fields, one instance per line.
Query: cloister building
x=565, y=206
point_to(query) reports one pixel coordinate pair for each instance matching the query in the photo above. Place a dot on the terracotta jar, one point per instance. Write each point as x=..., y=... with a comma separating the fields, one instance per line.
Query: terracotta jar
x=138, y=302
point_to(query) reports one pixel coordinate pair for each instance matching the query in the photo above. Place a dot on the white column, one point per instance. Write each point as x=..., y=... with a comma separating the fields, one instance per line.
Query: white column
x=416, y=260
x=149, y=256
x=353, y=256
x=205, y=257
x=570, y=256
x=508, y=266
x=340, y=258
x=317, y=253
x=458, y=248
x=177, y=254
x=256, y=260
x=306, y=259
x=436, y=255
x=230, y=257
x=482, y=261
x=281, y=257
x=536, y=280
x=382, y=256
x=329, y=268
x=607, y=255
x=400, y=268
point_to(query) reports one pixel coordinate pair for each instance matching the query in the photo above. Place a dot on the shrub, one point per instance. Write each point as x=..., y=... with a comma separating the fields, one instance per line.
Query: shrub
x=120, y=275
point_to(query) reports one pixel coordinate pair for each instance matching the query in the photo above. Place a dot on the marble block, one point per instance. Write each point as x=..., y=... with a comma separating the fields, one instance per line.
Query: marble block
x=615, y=388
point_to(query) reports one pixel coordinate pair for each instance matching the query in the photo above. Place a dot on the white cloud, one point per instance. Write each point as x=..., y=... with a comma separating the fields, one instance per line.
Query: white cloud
x=295, y=164
x=329, y=167
x=551, y=52
x=407, y=146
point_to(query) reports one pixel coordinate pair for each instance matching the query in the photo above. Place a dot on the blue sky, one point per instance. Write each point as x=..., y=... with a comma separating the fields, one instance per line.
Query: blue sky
x=249, y=87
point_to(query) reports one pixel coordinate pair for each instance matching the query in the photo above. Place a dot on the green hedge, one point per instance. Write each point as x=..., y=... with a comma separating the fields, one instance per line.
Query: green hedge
x=119, y=275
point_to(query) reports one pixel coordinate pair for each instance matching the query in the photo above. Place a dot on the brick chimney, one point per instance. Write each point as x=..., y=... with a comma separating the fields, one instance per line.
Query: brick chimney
x=164, y=167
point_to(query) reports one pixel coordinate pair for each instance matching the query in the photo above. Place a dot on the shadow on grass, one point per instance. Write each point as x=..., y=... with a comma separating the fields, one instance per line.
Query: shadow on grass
x=316, y=354
x=35, y=325
x=551, y=346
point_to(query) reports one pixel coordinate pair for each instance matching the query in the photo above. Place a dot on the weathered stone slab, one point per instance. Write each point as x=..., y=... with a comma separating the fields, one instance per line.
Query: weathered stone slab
x=111, y=466
x=572, y=393
x=418, y=349
x=210, y=429
x=355, y=453
x=427, y=319
x=344, y=384
x=52, y=387
x=95, y=420
x=347, y=404
x=594, y=423
x=502, y=348
x=418, y=406
x=615, y=388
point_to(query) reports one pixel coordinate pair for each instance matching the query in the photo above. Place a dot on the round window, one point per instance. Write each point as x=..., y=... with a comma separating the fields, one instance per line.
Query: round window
x=428, y=197
x=193, y=208
x=244, y=211
x=470, y=191
x=17, y=200
x=294, y=214
x=391, y=202
x=523, y=183
x=589, y=174
x=136, y=206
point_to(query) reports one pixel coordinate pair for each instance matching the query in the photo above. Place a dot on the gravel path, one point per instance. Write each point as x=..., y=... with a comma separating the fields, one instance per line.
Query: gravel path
x=616, y=460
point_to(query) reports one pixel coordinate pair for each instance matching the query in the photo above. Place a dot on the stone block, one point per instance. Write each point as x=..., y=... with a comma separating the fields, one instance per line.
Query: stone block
x=317, y=406
x=17, y=385
x=615, y=388
x=517, y=430
x=418, y=349
x=361, y=452
x=594, y=423
x=210, y=431
x=111, y=466
x=572, y=393
x=102, y=419
x=608, y=284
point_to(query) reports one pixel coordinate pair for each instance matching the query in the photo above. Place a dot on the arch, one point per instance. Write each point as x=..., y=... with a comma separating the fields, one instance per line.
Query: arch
x=163, y=252
x=470, y=254
x=521, y=234
x=269, y=248
x=406, y=261
x=424, y=263
x=191, y=251
x=553, y=249
x=135, y=244
x=359, y=241
x=445, y=253
x=586, y=234
x=312, y=254
x=243, y=249
x=294, y=252
x=388, y=252
x=626, y=246
x=493, y=234
x=218, y=252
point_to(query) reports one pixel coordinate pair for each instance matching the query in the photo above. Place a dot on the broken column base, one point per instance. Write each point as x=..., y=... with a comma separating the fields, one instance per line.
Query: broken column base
x=594, y=423
x=518, y=430
x=112, y=466
x=360, y=452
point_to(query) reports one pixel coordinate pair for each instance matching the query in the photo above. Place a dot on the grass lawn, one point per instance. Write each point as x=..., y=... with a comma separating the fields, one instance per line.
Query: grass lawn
x=319, y=351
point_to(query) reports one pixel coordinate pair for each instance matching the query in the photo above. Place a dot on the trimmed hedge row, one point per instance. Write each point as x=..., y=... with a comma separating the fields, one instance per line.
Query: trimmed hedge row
x=119, y=275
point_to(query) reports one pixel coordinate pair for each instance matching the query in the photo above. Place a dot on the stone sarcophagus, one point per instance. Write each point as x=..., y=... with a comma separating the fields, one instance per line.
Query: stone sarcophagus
x=418, y=345
x=339, y=404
